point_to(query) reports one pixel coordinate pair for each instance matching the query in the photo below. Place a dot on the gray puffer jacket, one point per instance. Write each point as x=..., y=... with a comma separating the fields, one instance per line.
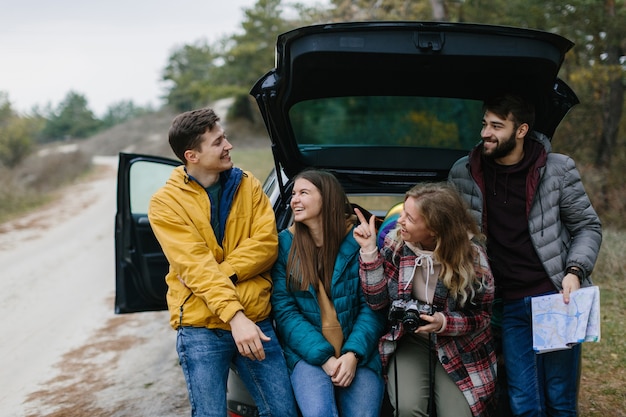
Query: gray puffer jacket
x=564, y=227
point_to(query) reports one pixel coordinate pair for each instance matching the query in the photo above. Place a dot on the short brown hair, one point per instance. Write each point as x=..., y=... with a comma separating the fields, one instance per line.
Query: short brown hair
x=521, y=110
x=187, y=130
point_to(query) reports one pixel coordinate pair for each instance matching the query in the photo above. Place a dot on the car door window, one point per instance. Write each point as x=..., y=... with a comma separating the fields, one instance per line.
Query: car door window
x=146, y=178
x=140, y=263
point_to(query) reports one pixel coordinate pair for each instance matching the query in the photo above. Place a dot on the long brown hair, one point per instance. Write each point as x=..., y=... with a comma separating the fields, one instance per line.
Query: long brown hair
x=446, y=214
x=307, y=264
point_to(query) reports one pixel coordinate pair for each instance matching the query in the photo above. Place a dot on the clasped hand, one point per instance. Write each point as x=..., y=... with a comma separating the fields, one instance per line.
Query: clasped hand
x=341, y=370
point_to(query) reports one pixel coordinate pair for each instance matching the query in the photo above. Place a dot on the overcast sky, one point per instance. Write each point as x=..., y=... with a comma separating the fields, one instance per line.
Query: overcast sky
x=106, y=50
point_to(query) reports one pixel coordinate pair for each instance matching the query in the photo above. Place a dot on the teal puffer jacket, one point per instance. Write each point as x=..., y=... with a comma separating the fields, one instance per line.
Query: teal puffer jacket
x=298, y=317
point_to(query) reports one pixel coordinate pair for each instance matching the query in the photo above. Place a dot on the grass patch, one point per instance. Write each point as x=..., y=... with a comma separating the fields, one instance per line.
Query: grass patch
x=259, y=161
x=15, y=200
x=602, y=390
x=32, y=184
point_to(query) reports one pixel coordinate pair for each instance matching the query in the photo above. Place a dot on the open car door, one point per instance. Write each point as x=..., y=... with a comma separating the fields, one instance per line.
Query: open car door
x=140, y=266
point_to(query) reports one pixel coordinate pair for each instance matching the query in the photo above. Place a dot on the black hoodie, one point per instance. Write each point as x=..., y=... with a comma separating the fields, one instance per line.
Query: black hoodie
x=516, y=267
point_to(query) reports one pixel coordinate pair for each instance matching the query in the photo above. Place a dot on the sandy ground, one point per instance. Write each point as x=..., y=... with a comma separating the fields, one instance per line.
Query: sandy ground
x=63, y=351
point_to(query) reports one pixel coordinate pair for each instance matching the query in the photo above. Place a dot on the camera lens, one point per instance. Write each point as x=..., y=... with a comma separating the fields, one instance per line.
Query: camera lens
x=410, y=325
x=411, y=321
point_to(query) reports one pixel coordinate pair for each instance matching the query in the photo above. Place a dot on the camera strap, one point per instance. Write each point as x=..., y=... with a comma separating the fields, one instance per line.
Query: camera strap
x=395, y=371
x=432, y=361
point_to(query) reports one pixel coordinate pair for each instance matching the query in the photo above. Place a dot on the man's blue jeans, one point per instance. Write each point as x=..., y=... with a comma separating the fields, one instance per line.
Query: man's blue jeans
x=543, y=384
x=318, y=397
x=205, y=356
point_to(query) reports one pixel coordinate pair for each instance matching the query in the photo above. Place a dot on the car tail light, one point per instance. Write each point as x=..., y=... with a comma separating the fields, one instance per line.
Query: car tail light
x=237, y=409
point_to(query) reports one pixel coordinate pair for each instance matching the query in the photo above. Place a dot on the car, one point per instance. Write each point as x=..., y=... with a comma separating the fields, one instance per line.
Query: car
x=381, y=105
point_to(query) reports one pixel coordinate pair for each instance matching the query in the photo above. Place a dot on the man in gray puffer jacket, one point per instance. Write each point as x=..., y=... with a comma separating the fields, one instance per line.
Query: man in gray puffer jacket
x=543, y=236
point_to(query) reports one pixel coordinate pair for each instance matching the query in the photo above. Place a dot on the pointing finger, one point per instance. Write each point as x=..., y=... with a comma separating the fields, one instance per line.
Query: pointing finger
x=359, y=215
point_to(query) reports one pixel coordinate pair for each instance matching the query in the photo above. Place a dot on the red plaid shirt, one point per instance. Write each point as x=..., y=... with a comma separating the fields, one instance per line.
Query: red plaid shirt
x=465, y=346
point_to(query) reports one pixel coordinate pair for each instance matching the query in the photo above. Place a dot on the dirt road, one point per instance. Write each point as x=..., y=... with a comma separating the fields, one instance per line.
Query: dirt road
x=63, y=350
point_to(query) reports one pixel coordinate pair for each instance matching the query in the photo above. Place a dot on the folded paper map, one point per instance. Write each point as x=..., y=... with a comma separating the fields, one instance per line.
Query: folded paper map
x=557, y=325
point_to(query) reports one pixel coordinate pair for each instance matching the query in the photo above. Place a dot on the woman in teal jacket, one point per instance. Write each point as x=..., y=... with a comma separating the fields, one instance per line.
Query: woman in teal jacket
x=327, y=330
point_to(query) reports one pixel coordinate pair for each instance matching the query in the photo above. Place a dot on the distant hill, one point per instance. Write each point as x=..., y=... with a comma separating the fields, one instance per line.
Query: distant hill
x=148, y=134
x=144, y=134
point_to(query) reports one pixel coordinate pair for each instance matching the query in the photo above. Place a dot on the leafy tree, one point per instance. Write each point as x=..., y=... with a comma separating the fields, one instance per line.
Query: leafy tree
x=394, y=10
x=200, y=73
x=16, y=140
x=6, y=111
x=191, y=73
x=120, y=112
x=16, y=133
x=72, y=119
x=252, y=53
x=600, y=37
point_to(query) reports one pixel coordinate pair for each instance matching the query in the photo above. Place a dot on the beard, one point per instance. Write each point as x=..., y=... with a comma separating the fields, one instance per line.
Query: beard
x=502, y=149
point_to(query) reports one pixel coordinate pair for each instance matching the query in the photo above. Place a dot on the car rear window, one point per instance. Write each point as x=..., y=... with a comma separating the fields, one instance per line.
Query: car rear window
x=424, y=122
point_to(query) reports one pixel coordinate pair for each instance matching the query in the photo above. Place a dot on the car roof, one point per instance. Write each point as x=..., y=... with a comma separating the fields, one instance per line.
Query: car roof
x=363, y=68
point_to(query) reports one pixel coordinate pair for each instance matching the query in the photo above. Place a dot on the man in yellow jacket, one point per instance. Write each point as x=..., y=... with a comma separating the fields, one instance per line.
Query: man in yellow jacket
x=218, y=232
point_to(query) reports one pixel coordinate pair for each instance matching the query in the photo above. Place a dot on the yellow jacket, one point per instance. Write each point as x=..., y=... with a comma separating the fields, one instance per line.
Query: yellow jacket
x=200, y=290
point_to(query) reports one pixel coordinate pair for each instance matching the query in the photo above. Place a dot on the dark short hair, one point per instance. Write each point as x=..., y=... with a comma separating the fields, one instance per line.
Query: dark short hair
x=187, y=129
x=521, y=110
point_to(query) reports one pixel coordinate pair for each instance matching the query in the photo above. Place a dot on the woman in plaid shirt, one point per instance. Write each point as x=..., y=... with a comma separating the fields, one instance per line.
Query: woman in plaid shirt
x=434, y=256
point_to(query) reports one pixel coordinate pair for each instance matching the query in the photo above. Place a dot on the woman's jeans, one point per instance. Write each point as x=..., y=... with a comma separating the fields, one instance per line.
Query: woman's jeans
x=205, y=356
x=543, y=384
x=318, y=397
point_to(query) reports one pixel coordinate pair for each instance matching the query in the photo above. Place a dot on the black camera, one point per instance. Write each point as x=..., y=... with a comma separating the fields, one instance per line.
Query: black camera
x=408, y=313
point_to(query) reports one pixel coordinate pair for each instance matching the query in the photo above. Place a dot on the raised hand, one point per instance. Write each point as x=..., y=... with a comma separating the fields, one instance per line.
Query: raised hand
x=365, y=232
